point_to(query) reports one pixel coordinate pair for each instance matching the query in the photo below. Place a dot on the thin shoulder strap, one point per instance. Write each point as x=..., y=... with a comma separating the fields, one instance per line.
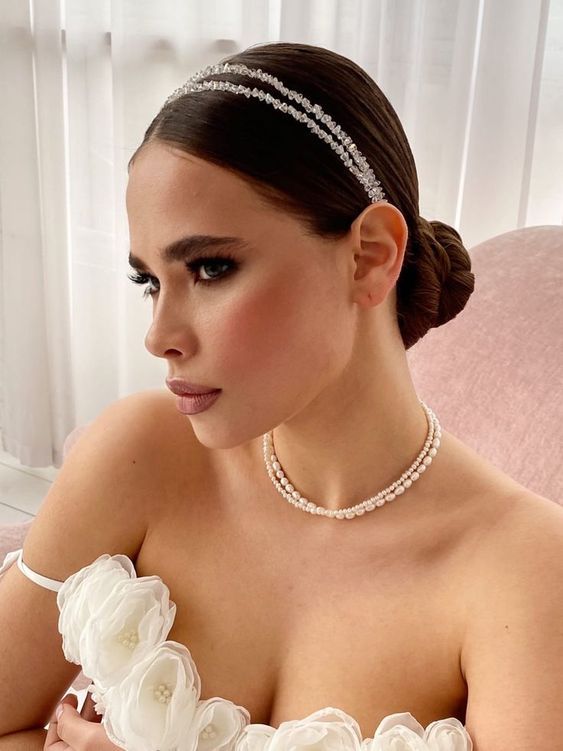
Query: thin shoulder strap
x=43, y=581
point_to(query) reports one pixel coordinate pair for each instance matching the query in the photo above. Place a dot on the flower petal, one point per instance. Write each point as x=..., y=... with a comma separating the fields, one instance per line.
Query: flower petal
x=404, y=719
x=218, y=723
x=254, y=737
x=327, y=729
x=448, y=735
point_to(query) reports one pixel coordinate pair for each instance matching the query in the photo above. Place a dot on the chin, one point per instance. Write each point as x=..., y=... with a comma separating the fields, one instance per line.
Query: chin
x=213, y=435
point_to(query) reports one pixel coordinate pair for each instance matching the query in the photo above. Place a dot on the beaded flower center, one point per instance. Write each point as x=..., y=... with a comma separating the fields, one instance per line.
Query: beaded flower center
x=128, y=639
x=163, y=694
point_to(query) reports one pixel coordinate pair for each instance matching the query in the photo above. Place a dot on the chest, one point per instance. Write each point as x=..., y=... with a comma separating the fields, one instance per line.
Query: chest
x=284, y=625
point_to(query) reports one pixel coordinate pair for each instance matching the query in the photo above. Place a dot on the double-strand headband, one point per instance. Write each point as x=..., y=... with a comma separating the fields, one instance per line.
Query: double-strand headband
x=348, y=151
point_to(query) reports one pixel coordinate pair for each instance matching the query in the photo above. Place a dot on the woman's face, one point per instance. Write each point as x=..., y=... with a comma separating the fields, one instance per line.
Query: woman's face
x=272, y=324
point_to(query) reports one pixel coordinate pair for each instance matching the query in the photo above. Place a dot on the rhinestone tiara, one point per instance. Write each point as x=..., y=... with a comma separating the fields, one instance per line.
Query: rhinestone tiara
x=346, y=149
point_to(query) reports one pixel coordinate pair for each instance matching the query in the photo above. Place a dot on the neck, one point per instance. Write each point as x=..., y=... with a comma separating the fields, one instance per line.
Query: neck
x=356, y=438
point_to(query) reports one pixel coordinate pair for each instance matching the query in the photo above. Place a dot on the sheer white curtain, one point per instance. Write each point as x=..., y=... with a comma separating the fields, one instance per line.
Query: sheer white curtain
x=477, y=84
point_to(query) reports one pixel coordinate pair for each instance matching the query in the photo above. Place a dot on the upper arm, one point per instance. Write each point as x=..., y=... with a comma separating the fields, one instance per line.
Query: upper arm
x=513, y=651
x=94, y=506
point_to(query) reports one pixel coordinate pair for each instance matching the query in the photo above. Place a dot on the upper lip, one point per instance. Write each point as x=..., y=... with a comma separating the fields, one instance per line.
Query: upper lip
x=179, y=386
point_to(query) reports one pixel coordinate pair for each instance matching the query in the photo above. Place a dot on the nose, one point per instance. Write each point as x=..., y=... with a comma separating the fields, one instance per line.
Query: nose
x=169, y=334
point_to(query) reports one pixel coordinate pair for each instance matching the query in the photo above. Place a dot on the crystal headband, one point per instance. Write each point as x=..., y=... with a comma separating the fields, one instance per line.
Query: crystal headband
x=348, y=151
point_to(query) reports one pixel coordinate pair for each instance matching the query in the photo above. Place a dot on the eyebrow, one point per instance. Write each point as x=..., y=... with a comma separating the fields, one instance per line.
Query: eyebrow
x=190, y=246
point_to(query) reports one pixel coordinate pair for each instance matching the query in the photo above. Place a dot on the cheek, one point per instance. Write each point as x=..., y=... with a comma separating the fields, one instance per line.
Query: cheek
x=281, y=332
x=254, y=327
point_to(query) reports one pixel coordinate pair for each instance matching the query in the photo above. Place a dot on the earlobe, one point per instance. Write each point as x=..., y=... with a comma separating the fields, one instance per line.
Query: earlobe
x=369, y=297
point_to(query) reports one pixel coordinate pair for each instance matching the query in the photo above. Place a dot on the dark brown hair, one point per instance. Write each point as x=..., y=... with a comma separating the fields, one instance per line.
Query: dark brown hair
x=294, y=170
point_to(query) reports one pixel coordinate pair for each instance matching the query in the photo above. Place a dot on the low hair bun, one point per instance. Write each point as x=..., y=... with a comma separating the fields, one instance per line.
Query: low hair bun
x=436, y=280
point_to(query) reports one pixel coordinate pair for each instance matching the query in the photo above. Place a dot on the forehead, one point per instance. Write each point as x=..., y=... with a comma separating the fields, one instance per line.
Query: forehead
x=164, y=179
x=172, y=194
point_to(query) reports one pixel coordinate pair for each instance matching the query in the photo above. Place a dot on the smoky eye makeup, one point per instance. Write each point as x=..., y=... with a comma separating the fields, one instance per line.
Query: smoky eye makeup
x=215, y=268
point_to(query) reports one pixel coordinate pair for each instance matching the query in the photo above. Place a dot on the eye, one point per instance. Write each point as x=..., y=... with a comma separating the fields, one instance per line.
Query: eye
x=139, y=278
x=210, y=262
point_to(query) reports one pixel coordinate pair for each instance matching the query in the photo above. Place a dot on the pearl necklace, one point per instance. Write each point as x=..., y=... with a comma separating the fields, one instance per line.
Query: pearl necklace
x=417, y=468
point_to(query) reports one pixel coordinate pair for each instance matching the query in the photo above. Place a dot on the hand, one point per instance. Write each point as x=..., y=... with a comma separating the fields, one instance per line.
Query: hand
x=78, y=732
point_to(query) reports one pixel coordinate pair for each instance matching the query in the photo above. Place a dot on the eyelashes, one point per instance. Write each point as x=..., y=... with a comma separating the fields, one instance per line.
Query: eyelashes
x=141, y=278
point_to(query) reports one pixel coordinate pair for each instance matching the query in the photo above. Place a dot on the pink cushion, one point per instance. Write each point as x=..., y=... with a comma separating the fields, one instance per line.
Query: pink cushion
x=494, y=374
x=12, y=537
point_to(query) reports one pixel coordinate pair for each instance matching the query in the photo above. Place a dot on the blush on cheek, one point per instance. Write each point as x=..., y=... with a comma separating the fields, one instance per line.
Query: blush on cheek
x=259, y=331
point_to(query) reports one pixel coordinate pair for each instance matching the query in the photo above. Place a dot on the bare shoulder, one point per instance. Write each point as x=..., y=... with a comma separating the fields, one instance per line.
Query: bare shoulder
x=530, y=541
x=172, y=429
x=524, y=535
x=531, y=525
x=156, y=413
x=109, y=473
x=158, y=399
x=164, y=402
x=512, y=653
x=166, y=437
x=516, y=564
x=175, y=454
x=148, y=418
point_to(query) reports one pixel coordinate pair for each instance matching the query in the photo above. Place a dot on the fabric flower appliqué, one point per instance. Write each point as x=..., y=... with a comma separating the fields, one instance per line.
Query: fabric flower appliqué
x=402, y=732
x=154, y=706
x=327, y=729
x=109, y=618
x=332, y=729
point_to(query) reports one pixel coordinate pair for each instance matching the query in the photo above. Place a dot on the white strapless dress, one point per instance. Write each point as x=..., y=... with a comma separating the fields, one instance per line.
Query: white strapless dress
x=114, y=625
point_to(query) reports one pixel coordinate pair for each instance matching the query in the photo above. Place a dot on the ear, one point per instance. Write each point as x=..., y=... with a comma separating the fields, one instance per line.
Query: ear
x=378, y=238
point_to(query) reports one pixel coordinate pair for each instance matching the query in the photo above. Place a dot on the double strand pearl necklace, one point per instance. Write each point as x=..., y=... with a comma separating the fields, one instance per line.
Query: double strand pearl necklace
x=417, y=468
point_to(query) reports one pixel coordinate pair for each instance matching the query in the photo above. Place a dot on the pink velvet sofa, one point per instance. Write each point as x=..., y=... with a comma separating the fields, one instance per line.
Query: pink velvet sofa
x=494, y=374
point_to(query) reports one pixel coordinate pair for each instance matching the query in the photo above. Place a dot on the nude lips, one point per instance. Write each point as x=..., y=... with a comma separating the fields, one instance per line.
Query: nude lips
x=192, y=404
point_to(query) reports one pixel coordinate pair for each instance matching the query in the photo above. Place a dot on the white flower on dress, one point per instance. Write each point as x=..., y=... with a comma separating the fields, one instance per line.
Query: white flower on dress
x=254, y=737
x=110, y=618
x=217, y=724
x=97, y=698
x=83, y=593
x=136, y=617
x=448, y=735
x=154, y=706
x=327, y=729
x=402, y=732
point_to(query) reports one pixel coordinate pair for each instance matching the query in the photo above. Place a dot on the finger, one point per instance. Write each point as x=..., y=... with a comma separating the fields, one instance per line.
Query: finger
x=71, y=699
x=67, y=699
x=52, y=739
x=77, y=732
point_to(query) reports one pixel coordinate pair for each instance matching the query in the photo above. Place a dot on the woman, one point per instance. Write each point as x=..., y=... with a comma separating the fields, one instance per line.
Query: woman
x=327, y=543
